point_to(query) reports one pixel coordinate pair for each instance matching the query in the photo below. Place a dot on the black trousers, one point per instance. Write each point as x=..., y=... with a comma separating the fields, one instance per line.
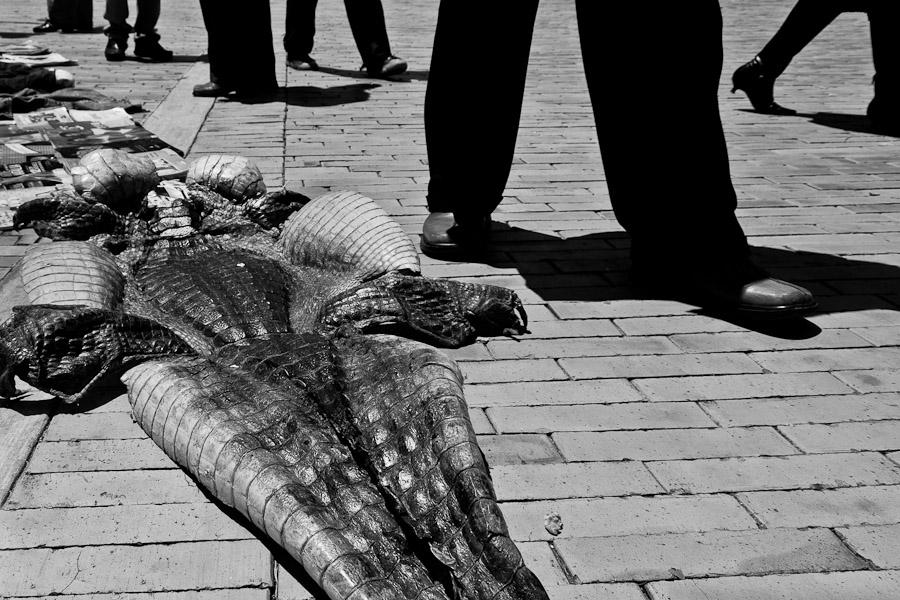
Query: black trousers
x=241, y=54
x=366, y=23
x=652, y=72
x=809, y=17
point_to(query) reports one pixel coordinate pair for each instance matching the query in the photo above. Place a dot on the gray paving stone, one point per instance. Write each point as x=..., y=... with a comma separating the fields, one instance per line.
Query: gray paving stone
x=855, y=585
x=105, y=569
x=673, y=556
x=603, y=417
x=775, y=473
x=608, y=517
x=536, y=393
x=845, y=437
x=98, y=455
x=873, y=505
x=671, y=444
x=753, y=385
x=814, y=409
x=572, y=480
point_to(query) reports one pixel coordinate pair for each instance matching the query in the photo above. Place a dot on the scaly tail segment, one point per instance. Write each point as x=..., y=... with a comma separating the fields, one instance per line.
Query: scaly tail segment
x=262, y=449
x=407, y=402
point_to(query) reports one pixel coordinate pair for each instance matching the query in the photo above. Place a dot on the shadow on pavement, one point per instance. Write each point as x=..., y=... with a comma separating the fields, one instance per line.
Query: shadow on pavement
x=843, y=121
x=594, y=268
x=307, y=95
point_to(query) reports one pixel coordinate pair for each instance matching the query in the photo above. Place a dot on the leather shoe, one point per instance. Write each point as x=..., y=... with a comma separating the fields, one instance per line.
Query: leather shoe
x=388, y=67
x=211, y=90
x=115, y=50
x=746, y=290
x=304, y=63
x=46, y=27
x=443, y=237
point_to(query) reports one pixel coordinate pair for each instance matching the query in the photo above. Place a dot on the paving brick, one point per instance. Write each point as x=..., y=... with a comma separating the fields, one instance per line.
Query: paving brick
x=829, y=360
x=658, y=366
x=547, y=329
x=749, y=341
x=103, y=426
x=880, y=336
x=813, y=409
x=854, y=585
x=535, y=482
x=20, y=435
x=540, y=559
x=878, y=544
x=872, y=505
x=775, y=473
x=756, y=385
x=754, y=552
x=107, y=569
x=671, y=444
x=480, y=422
x=518, y=449
x=103, y=488
x=607, y=517
x=535, y=393
x=292, y=584
x=148, y=524
x=874, y=380
x=618, y=309
x=845, y=437
x=512, y=370
x=602, y=417
x=219, y=594
x=674, y=324
x=569, y=347
x=98, y=455
x=591, y=591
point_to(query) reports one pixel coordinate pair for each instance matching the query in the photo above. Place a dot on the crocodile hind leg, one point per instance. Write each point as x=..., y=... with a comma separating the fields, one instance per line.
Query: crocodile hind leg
x=406, y=401
x=263, y=449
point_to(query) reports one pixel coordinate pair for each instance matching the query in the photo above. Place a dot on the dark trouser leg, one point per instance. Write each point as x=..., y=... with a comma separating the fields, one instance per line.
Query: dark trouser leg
x=472, y=115
x=299, y=28
x=84, y=15
x=884, y=23
x=62, y=13
x=369, y=29
x=806, y=20
x=147, y=17
x=241, y=55
x=659, y=129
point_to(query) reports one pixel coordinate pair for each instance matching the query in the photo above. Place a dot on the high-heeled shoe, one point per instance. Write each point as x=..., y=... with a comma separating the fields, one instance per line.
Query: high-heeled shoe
x=759, y=86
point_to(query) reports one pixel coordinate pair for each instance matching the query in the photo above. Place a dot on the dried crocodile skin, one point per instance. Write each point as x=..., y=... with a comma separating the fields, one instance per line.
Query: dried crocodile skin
x=352, y=451
x=65, y=216
x=263, y=449
x=72, y=273
x=345, y=231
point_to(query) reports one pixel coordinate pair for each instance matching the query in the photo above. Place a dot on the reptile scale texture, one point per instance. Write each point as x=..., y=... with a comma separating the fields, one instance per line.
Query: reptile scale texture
x=282, y=351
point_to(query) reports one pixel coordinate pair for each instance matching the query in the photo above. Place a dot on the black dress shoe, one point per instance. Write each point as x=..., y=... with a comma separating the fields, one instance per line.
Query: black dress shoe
x=755, y=80
x=115, y=50
x=211, y=90
x=46, y=27
x=150, y=49
x=443, y=237
x=386, y=67
x=745, y=291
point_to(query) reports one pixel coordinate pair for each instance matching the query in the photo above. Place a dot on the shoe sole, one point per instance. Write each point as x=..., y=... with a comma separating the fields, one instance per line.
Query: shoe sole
x=458, y=253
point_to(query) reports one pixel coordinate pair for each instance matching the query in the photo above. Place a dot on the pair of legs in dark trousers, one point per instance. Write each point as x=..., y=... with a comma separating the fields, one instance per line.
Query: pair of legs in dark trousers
x=652, y=73
x=240, y=48
x=807, y=20
x=366, y=23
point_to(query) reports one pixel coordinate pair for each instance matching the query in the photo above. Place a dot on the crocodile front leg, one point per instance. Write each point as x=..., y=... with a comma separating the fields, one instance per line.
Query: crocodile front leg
x=67, y=350
x=442, y=312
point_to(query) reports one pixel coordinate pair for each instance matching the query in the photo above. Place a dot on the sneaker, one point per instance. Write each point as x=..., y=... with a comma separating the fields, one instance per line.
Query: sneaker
x=151, y=50
x=392, y=65
x=115, y=50
x=304, y=63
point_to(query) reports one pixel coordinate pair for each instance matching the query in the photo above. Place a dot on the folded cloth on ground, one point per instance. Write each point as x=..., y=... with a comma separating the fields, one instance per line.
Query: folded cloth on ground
x=79, y=98
x=15, y=77
x=27, y=48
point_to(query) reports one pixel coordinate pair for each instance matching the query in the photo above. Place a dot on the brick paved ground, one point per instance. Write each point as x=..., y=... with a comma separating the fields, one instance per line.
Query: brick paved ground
x=688, y=457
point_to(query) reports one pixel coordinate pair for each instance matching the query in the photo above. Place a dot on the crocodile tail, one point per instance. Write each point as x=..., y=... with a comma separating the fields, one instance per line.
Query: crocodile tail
x=407, y=402
x=261, y=449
